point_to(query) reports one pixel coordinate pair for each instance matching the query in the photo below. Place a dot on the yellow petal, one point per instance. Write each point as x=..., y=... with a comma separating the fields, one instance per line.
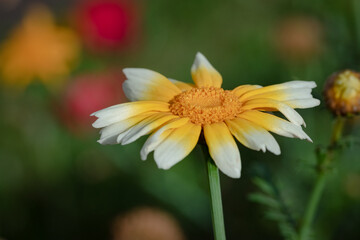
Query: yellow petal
x=223, y=149
x=266, y=104
x=303, y=103
x=277, y=87
x=253, y=136
x=275, y=124
x=159, y=135
x=123, y=111
x=182, y=85
x=204, y=74
x=177, y=145
x=144, y=127
x=240, y=90
x=110, y=133
x=147, y=85
x=296, y=95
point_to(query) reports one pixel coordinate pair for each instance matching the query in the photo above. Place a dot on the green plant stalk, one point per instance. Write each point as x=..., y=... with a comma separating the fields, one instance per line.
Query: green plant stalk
x=320, y=180
x=356, y=9
x=215, y=196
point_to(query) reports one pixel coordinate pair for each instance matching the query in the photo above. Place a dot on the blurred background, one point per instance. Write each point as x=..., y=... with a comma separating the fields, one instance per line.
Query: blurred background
x=62, y=60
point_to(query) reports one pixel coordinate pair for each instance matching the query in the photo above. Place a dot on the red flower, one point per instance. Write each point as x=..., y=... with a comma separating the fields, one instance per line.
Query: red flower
x=107, y=25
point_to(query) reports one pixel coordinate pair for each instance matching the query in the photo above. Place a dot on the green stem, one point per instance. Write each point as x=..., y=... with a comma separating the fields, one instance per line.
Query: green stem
x=215, y=195
x=321, y=180
x=312, y=206
x=356, y=9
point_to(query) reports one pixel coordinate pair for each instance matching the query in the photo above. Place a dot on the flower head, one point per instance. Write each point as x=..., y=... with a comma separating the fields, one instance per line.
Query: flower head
x=107, y=25
x=38, y=49
x=342, y=93
x=176, y=113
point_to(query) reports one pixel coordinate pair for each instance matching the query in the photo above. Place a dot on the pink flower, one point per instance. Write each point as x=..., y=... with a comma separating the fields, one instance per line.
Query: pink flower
x=107, y=25
x=87, y=94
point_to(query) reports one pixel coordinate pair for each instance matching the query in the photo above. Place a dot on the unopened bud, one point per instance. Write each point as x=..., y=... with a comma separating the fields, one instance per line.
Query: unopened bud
x=342, y=93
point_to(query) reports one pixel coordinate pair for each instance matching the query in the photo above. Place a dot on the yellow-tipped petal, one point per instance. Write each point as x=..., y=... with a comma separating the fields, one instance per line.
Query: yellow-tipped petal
x=296, y=94
x=204, y=74
x=253, y=136
x=303, y=103
x=223, y=149
x=277, y=87
x=182, y=85
x=177, y=145
x=159, y=135
x=144, y=127
x=110, y=133
x=147, y=85
x=275, y=124
x=123, y=111
x=266, y=104
x=240, y=90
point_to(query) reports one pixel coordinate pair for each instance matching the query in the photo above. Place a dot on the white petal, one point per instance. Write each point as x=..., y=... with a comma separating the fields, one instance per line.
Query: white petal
x=144, y=84
x=177, y=145
x=158, y=136
x=123, y=111
x=275, y=124
x=146, y=126
x=303, y=103
x=204, y=74
x=266, y=104
x=223, y=149
x=278, y=87
x=253, y=136
x=110, y=133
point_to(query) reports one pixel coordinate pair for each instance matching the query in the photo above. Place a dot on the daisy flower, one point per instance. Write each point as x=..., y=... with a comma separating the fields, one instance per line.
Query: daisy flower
x=178, y=113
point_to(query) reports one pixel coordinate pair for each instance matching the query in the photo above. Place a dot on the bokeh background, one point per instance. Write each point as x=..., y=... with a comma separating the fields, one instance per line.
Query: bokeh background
x=62, y=60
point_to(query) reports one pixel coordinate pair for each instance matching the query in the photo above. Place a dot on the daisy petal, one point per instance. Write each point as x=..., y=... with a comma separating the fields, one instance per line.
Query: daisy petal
x=275, y=124
x=123, y=111
x=253, y=136
x=282, y=86
x=266, y=104
x=177, y=145
x=145, y=127
x=144, y=84
x=182, y=85
x=303, y=103
x=240, y=90
x=110, y=133
x=158, y=136
x=204, y=74
x=223, y=149
x=283, y=94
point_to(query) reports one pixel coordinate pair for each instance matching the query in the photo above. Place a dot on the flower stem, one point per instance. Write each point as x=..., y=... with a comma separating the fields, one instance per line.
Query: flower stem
x=215, y=195
x=323, y=166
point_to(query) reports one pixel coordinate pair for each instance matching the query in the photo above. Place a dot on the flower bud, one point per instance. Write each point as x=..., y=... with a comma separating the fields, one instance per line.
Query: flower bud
x=342, y=93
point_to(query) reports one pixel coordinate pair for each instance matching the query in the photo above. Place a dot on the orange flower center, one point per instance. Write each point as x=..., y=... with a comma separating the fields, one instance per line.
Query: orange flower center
x=206, y=105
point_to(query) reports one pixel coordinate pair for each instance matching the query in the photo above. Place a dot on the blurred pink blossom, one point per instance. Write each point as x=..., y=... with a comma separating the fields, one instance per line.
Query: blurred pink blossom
x=89, y=93
x=108, y=25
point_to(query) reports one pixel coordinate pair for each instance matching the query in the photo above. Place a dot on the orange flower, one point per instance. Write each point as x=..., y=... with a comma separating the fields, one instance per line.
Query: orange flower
x=38, y=49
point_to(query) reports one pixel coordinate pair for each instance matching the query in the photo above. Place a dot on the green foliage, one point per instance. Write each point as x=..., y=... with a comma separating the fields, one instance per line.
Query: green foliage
x=275, y=208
